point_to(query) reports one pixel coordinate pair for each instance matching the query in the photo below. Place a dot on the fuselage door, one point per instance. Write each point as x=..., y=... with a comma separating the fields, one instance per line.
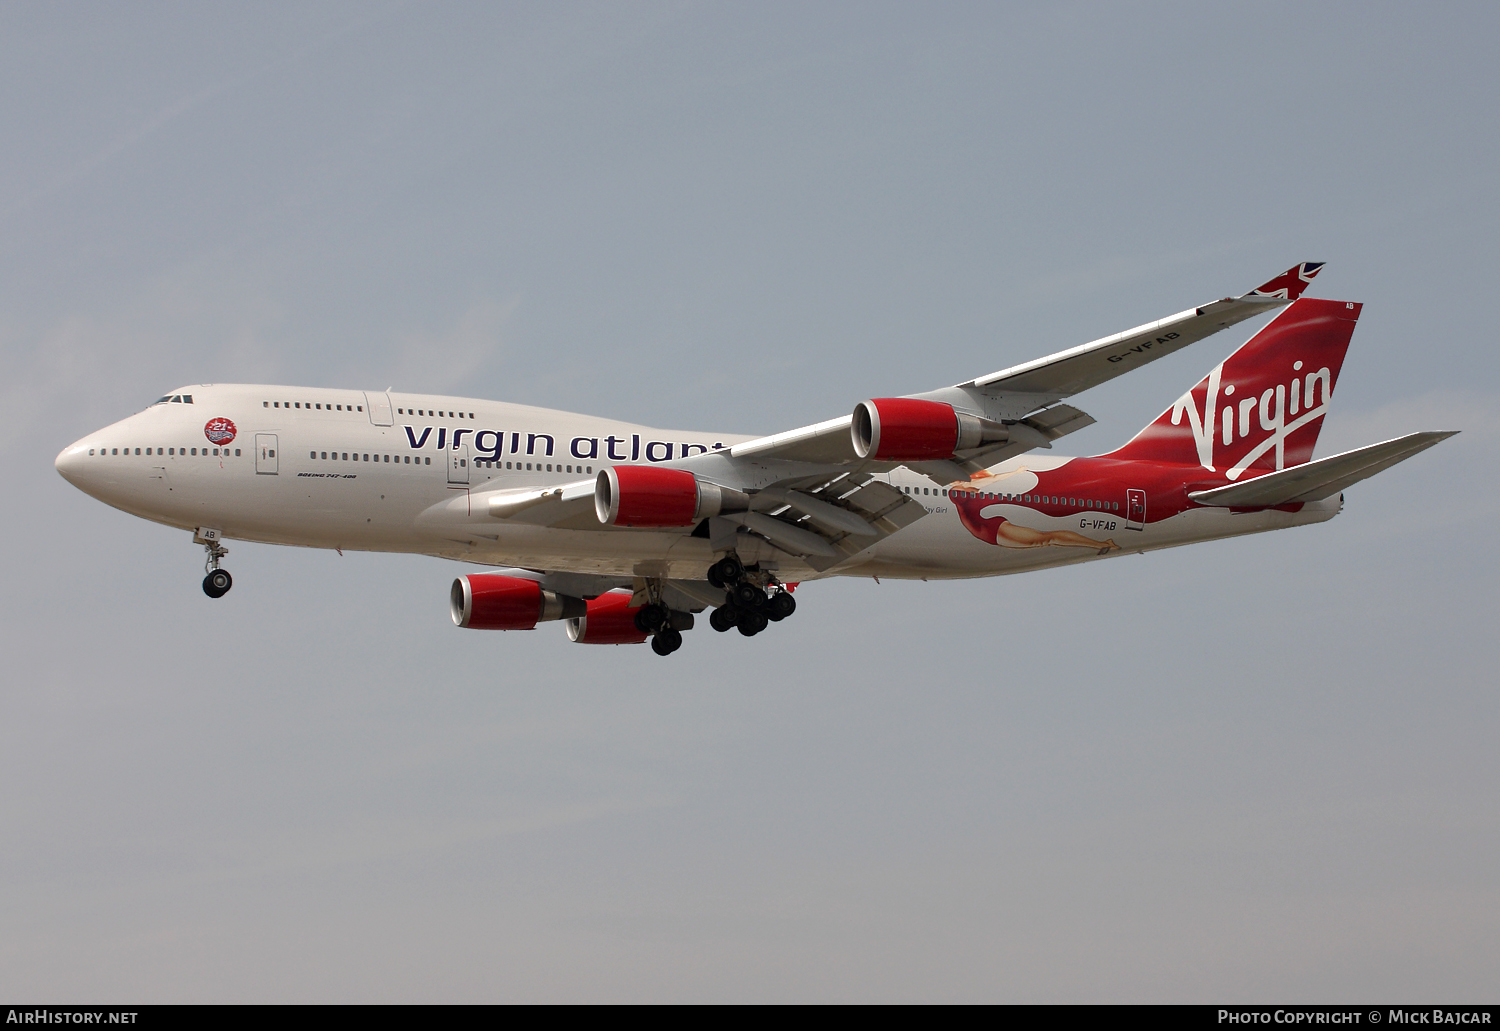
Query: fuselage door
x=458, y=464
x=1135, y=510
x=379, y=407
x=265, y=453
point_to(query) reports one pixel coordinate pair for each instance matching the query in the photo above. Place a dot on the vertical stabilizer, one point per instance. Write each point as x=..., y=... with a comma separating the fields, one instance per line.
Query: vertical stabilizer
x=1263, y=407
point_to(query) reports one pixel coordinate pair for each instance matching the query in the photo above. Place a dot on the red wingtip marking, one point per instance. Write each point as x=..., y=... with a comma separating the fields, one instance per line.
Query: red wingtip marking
x=1291, y=283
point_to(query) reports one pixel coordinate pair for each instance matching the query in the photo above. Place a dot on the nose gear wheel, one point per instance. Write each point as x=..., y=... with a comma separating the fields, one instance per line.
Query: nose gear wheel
x=217, y=582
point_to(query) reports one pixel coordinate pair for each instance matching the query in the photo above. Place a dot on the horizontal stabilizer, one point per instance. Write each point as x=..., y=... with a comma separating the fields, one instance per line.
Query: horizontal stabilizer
x=1321, y=479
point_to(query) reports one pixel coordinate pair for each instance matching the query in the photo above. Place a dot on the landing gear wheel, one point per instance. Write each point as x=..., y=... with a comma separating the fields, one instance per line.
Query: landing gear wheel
x=728, y=570
x=780, y=606
x=748, y=597
x=666, y=642
x=722, y=618
x=752, y=623
x=652, y=618
x=217, y=583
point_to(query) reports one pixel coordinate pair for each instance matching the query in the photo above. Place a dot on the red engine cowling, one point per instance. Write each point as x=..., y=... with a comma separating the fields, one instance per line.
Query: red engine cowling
x=643, y=495
x=609, y=620
x=908, y=429
x=900, y=429
x=492, y=601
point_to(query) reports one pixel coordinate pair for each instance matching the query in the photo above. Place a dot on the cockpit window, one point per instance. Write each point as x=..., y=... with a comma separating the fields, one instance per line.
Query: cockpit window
x=176, y=399
x=162, y=400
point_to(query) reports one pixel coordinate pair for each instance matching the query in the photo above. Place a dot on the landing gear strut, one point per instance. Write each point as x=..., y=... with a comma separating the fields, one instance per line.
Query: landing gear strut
x=217, y=582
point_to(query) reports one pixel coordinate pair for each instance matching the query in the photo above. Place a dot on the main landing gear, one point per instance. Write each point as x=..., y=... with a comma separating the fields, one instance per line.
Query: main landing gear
x=753, y=601
x=750, y=606
x=667, y=641
x=664, y=626
x=218, y=581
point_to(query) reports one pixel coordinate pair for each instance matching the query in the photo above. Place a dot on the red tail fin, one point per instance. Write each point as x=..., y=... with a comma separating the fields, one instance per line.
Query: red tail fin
x=1262, y=409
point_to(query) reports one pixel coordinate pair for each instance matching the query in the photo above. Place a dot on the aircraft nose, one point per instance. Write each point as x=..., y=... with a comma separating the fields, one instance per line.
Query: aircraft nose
x=70, y=463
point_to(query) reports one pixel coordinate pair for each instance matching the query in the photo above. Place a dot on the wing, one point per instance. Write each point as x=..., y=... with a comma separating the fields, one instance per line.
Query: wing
x=1023, y=398
x=822, y=516
x=812, y=493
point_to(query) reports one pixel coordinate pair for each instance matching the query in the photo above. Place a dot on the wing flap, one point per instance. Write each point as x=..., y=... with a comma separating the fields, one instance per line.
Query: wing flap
x=875, y=508
x=1321, y=479
x=829, y=517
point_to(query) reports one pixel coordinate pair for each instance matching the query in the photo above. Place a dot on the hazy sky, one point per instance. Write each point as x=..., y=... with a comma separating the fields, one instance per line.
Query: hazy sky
x=1261, y=769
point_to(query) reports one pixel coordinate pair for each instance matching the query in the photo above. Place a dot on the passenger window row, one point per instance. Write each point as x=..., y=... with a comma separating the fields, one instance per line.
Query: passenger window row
x=428, y=412
x=350, y=456
x=482, y=464
x=1031, y=499
x=169, y=451
x=312, y=406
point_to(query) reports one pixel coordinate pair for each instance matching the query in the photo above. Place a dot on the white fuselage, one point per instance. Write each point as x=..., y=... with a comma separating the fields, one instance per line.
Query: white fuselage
x=398, y=472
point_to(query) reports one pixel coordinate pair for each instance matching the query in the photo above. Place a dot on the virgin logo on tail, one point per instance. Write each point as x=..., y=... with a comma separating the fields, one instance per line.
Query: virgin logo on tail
x=1263, y=407
x=1303, y=400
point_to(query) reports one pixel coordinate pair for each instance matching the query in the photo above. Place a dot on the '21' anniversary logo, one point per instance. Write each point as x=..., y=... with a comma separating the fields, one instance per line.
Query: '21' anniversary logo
x=220, y=431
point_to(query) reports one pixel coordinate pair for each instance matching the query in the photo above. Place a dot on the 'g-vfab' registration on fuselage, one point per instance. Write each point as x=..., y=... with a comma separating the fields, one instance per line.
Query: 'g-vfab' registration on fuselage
x=625, y=532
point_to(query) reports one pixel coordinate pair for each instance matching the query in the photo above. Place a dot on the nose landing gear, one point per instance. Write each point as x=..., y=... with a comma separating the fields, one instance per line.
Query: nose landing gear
x=218, y=581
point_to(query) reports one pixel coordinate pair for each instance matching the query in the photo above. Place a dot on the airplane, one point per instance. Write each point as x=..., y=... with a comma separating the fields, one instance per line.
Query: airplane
x=625, y=532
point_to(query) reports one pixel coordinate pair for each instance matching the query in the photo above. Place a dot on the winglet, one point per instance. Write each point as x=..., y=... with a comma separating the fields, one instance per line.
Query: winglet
x=1290, y=284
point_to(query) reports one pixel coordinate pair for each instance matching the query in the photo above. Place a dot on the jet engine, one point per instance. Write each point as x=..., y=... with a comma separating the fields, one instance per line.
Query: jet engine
x=609, y=619
x=491, y=601
x=643, y=495
x=907, y=429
